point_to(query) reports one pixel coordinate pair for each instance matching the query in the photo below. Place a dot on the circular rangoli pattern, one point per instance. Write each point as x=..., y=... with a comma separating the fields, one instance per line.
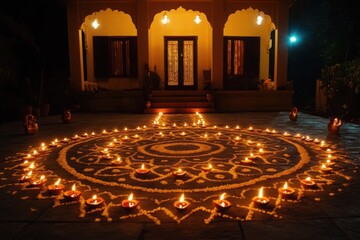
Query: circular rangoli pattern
x=212, y=160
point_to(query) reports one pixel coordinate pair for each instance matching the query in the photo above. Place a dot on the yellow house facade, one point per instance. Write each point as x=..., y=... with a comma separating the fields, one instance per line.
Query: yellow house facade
x=236, y=48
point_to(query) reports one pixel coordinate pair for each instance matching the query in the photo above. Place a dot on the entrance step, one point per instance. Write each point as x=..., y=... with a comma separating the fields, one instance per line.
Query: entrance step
x=177, y=101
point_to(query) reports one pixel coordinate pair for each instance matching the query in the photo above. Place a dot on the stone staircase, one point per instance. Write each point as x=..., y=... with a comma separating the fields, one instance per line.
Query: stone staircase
x=179, y=101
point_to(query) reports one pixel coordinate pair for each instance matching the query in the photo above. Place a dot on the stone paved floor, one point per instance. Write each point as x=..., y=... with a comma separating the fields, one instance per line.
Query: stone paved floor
x=331, y=216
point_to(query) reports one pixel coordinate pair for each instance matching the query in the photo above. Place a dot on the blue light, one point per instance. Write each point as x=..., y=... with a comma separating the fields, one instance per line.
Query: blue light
x=293, y=39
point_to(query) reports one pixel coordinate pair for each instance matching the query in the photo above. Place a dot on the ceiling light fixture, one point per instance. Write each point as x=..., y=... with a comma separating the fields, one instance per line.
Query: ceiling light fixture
x=165, y=20
x=197, y=19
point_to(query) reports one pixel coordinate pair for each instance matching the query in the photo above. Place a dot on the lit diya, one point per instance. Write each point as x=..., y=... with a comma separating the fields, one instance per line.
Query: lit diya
x=125, y=138
x=28, y=157
x=85, y=134
x=329, y=163
x=237, y=138
x=117, y=161
x=30, y=167
x=26, y=177
x=181, y=204
x=38, y=182
x=105, y=132
x=129, y=203
x=104, y=151
x=260, y=199
x=252, y=156
x=323, y=144
x=142, y=170
x=286, y=134
x=75, y=137
x=246, y=161
x=94, y=202
x=54, y=143
x=65, y=140
x=73, y=194
x=43, y=148
x=207, y=168
x=222, y=204
x=107, y=156
x=326, y=169
x=25, y=164
x=179, y=173
x=56, y=188
x=285, y=191
x=308, y=182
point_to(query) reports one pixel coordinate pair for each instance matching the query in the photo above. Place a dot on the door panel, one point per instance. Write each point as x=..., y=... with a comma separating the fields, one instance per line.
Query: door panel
x=180, y=63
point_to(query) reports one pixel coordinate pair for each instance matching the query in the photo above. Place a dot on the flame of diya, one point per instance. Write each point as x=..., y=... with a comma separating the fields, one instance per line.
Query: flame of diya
x=221, y=203
x=260, y=199
x=38, y=182
x=308, y=182
x=142, y=170
x=56, y=188
x=326, y=169
x=130, y=203
x=94, y=202
x=179, y=173
x=181, y=204
x=286, y=191
x=73, y=194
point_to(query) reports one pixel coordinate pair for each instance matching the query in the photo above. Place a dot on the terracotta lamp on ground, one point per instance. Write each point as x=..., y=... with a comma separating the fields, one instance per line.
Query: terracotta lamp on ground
x=222, y=204
x=260, y=199
x=293, y=114
x=129, y=203
x=181, y=204
x=334, y=125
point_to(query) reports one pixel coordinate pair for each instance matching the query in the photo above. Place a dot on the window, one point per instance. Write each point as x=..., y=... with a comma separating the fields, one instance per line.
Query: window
x=115, y=56
x=241, y=62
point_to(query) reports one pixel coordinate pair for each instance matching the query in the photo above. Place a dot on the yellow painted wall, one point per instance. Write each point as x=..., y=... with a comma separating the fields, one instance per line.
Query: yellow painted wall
x=112, y=23
x=243, y=23
x=181, y=24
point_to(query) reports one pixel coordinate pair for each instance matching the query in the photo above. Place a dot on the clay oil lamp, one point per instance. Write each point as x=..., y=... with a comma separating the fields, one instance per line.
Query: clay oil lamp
x=293, y=114
x=182, y=133
x=25, y=164
x=237, y=138
x=324, y=145
x=298, y=135
x=334, y=125
x=185, y=125
x=285, y=191
x=181, y=204
x=260, y=200
x=30, y=167
x=43, y=148
x=130, y=203
x=125, y=138
x=110, y=145
x=174, y=125
x=326, y=169
x=94, y=201
x=219, y=134
x=252, y=156
x=115, y=130
x=205, y=136
x=65, y=140
x=39, y=182
x=73, y=194
x=250, y=129
x=117, y=161
x=28, y=157
x=107, y=156
x=207, y=168
x=136, y=136
x=75, y=137
x=160, y=134
x=286, y=134
x=35, y=153
x=246, y=161
x=237, y=127
x=85, y=134
x=115, y=141
x=93, y=134
x=56, y=188
x=308, y=139
x=179, y=173
x=221, y=204
x=104, y=151
x=142, y=170
x=54, y=143
x=194, y=124
x=261, y=151
x=316, y=140
x=104, y=132
x=329, y=163
x=267, y=130
x=308, y=183
x=26, y=177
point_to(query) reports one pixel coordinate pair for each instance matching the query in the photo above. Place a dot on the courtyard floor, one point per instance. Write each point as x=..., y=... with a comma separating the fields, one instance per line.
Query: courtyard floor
x=114, y=156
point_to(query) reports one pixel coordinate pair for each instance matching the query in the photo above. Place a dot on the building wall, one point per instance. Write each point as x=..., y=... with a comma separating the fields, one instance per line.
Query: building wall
x=219, y=17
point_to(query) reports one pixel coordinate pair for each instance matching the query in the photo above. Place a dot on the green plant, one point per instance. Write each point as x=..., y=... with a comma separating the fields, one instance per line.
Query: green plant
x=341, y=85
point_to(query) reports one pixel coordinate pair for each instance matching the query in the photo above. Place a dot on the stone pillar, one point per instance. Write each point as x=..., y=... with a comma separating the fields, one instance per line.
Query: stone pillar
x=74, y=46
x=142, y=25
x=217, y=47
